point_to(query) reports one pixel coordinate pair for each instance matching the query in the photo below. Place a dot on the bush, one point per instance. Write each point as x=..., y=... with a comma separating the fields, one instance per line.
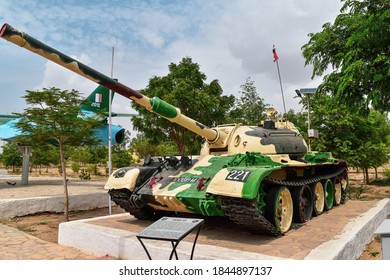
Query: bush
x=75, y=167
x=93, y=169
x=386, y=173
x=84, y=175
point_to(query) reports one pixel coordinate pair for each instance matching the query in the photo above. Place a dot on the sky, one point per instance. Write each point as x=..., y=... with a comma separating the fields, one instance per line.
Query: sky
x=231, y=40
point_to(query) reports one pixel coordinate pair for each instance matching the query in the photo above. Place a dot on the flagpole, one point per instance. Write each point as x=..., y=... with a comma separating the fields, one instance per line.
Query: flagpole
x=276, y=59
x=109, y=131
x=110, y=118
x=281, y=87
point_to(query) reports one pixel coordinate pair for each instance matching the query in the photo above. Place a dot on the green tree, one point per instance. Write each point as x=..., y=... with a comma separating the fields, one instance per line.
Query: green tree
x=250, y=108
x=183, y=87
x=121, y=158
x=11, y=156
x=54, y=116
x=375, y=146
x=121, y=155
x=299, y=120
x=362, y=141
x=357, y=48
x=98, y=154
x=81, y=155
x=143, y=146
x=44, y=155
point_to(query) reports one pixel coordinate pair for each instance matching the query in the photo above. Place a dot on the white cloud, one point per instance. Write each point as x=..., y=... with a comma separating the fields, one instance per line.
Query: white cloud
x=60, y=77
x=231, y=40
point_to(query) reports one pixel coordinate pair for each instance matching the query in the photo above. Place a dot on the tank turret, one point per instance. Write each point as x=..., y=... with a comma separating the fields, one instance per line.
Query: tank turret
x=261, y=177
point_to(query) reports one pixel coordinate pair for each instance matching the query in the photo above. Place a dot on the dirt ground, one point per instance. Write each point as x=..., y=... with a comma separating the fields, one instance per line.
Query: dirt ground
x=378, y=189
x=45, y=226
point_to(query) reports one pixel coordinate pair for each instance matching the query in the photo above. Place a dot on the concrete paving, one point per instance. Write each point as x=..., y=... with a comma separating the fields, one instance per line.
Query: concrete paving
x=341, y=233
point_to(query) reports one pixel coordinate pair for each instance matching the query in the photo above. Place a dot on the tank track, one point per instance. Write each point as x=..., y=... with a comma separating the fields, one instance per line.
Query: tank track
x=247, y=214
x=243, y=212
x=298, y=183
x=122, y=199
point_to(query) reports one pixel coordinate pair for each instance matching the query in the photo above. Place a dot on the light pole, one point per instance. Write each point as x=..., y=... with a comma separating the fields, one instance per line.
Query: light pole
x=311, y=133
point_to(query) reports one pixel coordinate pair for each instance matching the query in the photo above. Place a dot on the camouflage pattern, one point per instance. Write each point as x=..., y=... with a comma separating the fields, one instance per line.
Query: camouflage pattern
x=261, y=177
x=195, y=189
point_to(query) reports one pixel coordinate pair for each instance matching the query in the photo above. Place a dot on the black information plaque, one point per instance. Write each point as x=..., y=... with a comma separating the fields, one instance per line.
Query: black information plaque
x=172, y=229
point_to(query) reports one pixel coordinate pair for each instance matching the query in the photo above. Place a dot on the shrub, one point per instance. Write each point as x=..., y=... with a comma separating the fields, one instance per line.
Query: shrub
x=75, y=167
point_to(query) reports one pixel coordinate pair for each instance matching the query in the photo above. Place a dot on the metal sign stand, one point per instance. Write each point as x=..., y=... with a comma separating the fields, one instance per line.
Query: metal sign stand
x=173, y=230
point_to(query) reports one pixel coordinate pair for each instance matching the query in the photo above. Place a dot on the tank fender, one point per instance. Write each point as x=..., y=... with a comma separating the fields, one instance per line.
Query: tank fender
x=240, y=182
x=129, y=177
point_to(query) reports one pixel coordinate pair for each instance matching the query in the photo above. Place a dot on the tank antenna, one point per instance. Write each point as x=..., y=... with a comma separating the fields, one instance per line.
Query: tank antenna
x=276, y=58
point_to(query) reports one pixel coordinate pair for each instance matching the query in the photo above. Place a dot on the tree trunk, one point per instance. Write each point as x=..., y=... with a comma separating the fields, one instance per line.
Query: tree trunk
x=366, y=172
x=180, y=143
x=183, y=146
x=66, y=196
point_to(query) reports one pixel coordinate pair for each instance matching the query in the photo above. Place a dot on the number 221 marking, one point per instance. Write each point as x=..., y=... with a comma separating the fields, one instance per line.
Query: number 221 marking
x=238, y=175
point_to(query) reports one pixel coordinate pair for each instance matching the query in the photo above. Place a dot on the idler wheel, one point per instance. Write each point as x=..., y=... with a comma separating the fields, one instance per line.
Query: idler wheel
x=279, y=209
x=344, y=188
x=303, y=204
x=337, y=191
x=329, y=194
x=318, y=198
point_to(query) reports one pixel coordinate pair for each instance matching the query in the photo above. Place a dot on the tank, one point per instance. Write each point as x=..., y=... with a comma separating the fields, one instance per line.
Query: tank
x=263, y=178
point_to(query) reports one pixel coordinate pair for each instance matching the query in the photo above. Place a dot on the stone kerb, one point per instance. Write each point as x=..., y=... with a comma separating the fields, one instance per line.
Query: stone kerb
x=10, y=208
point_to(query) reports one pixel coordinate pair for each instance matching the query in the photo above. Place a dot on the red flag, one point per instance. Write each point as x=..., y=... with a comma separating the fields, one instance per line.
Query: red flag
x=275, y=55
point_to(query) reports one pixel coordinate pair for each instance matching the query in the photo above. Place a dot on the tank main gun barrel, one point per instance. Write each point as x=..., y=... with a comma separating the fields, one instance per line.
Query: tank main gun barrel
x=154, y=104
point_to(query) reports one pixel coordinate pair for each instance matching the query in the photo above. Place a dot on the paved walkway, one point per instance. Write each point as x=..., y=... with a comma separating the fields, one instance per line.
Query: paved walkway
x=18, y=245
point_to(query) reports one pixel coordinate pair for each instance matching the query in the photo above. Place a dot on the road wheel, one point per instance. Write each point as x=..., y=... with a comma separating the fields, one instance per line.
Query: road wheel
x=303, y=204
x=337, y=191
x=318, y=198
x=279, y=209
x=344, y=187
x=329, y=194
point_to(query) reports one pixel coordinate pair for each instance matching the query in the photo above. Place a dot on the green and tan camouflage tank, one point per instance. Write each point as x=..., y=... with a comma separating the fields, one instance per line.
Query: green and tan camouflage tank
x=261, y=177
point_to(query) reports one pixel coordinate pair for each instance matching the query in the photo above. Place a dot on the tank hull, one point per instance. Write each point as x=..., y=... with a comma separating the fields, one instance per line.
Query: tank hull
x=263, y=193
